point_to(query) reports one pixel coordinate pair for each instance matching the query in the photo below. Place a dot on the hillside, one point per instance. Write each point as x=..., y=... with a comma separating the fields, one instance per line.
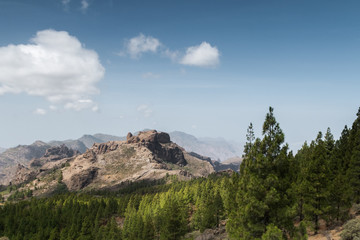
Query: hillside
x=21, y=154
x=148, y=156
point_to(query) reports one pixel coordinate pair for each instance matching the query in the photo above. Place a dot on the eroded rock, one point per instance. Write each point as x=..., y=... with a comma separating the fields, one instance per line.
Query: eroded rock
x=82, y=179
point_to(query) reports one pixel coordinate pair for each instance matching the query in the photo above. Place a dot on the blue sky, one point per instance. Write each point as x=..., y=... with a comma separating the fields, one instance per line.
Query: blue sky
x=209, y=68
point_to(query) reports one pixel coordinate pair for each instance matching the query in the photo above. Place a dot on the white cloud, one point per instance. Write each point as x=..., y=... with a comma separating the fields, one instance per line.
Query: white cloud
x=203, y=55
x=84, y=5
x=54, y=65
x=145, y=110
x=141, y=44
x=82, y=104
x=151, y=75
x=40, y=111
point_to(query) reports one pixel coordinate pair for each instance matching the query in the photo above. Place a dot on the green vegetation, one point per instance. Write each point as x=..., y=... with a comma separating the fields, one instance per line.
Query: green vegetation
x=276, y=196
x=351, y=230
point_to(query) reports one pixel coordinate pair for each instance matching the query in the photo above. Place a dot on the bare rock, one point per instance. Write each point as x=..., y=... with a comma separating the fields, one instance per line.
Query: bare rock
x=102, y=148
x=159, y=143
x=23, y=174
x=129, y=135
x=82, y=179
x=54, y=154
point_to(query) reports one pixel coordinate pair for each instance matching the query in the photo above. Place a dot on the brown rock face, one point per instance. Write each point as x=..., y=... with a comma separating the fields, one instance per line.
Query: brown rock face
x=129, y=135
x=159, y=143
x=23, y=174
x=82, y=179
x=102, y=148
x=149, y=136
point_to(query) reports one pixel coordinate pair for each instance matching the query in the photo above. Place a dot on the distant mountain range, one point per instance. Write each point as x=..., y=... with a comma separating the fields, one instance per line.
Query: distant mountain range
x=87, y=141
x=215, y=148
x=150, y=155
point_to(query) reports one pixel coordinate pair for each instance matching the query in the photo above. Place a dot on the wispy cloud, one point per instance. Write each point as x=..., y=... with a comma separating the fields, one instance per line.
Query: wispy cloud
x=173, y=55
x=140, y=44
x=145, y=110
x=84, y=5
x=40, y=111
x=151, y=75
x=203, y=55
x=54, y=65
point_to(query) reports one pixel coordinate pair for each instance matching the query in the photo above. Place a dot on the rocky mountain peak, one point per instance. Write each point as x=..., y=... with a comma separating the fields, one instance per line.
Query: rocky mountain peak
x=39, y=143
x=160, y=145
x=151, y=136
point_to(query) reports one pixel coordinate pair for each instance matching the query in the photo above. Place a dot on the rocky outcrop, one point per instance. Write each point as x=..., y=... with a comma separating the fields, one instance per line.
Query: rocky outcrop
x=102, y=148
x=23, y=175
x=21, y=154
x=151, y=136
x=82, y=179
x=159, y=143
x=54, y=154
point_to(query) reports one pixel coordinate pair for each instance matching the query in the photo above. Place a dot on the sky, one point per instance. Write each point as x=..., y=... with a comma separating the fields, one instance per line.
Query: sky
x=208, y=68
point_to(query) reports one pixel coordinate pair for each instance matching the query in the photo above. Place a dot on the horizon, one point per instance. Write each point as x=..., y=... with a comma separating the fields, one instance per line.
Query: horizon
x=206, y=68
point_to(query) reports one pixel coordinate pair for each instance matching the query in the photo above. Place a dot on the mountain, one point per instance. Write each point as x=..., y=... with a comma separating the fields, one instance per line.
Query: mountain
x=21, y=154
x=86, y=141
x=215, y=148
x=148, y=156
x=73, y=144
x=231, y=163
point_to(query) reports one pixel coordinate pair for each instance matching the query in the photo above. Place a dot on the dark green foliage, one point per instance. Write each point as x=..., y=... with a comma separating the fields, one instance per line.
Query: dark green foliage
x=272, y=233
x=263, y=198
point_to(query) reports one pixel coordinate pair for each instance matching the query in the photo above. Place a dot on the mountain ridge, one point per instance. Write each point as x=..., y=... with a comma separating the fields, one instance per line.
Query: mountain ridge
x=23, y=154
x=149, y=155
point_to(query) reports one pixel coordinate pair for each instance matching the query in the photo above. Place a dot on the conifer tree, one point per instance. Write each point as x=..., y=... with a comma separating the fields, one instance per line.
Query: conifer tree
x=354, y=165
x=263, y=188
x=316, y=197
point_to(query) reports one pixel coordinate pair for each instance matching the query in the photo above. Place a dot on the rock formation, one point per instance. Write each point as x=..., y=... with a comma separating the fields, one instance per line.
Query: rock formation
x=148, y=155
x=54, y=154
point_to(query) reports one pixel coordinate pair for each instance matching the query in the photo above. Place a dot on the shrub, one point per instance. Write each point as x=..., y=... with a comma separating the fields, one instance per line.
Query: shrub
x=351, y=230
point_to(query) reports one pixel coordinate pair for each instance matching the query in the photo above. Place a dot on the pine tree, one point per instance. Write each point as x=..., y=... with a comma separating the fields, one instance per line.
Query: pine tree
x=339, y=188
x=316, y=181
x=85, y=233
x=354, y=165
x=263, y=188
x=174, y=223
